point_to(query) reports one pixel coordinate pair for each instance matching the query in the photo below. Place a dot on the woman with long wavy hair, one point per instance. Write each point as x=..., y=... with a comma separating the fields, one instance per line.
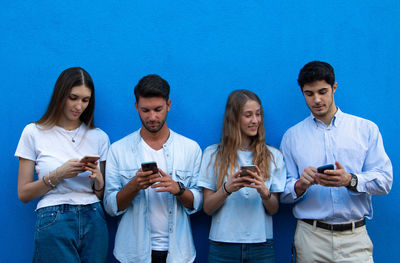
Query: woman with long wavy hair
x=70, y=222
x=242, y=200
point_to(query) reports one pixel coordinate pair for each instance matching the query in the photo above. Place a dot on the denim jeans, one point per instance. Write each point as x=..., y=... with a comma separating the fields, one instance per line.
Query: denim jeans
x=221, y=252
x=71, y=233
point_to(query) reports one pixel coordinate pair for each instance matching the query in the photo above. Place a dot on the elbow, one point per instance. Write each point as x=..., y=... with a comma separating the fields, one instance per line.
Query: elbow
x=23, y=198
x=207, y=210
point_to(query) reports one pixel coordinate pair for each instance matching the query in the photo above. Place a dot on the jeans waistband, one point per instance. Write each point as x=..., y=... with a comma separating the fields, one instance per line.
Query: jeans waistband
x=67, y=207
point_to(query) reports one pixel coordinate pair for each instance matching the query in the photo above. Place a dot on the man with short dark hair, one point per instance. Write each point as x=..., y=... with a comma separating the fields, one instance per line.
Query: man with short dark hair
x=155, y=204
x=331, y=205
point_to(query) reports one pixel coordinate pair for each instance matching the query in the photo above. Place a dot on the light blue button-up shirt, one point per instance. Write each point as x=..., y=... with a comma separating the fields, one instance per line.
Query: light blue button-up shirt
x=133, y=237
x=242, y=218
x=355, y=143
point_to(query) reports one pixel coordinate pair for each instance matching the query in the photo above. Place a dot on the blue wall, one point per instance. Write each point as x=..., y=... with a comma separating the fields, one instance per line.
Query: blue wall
x=205, y=49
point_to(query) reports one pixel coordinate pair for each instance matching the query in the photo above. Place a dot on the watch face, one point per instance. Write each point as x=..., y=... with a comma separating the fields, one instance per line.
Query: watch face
x=353, y=182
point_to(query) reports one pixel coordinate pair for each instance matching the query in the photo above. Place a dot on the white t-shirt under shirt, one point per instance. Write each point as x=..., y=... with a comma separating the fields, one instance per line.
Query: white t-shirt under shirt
x=158, y=202
x=51, y=148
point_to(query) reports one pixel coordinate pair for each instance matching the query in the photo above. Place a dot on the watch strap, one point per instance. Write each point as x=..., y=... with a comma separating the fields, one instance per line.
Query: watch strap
x=182, y=189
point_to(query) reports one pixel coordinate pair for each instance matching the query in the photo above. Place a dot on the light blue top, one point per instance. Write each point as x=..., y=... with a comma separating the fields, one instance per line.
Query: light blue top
x=133, y=238
x=357, y=145
x=242, y=218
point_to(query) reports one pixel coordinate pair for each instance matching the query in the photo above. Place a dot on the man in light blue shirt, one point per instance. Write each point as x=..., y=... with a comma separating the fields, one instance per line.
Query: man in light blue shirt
x=154, y=205
x=332, y=206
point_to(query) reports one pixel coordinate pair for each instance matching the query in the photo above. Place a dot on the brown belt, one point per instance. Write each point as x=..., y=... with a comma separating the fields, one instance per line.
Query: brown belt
x=335, y=227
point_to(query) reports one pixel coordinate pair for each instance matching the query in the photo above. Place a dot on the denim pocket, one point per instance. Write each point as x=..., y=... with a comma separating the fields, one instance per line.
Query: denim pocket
x=45, y=219
x=127, y=175
x=183, y=176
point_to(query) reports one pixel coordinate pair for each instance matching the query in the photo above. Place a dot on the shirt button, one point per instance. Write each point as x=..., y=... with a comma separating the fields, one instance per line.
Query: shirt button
x=170, y=212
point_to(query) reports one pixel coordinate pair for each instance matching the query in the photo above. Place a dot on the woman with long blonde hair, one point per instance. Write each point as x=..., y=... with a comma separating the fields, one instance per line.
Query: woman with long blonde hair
x=240, y=199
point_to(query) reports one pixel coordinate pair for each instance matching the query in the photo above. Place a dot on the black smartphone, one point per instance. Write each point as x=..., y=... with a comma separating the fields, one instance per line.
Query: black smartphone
x=150, y=166
x=245, y=168
x=322, y=169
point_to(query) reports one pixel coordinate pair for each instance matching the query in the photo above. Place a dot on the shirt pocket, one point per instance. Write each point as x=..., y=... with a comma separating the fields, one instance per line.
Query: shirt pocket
x=183, y=176
x=127, y=175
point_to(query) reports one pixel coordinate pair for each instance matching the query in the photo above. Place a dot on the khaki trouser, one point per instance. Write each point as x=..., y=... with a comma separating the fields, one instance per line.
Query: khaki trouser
x=315, y=244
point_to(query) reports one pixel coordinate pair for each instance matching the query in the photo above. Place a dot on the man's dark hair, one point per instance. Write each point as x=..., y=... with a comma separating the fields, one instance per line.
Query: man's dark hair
x=314, y=71
x=152, y=86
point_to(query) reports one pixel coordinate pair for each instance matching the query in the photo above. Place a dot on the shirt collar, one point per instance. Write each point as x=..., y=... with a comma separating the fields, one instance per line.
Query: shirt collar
x=336, y=120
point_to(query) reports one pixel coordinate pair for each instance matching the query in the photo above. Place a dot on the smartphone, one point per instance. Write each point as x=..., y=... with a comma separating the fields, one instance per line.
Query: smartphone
x=244, y=169
x=150, y=166
x=90, y=158
x=322, y=169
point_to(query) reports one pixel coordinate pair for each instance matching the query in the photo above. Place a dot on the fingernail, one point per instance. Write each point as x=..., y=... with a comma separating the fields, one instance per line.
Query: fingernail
x=83, y=167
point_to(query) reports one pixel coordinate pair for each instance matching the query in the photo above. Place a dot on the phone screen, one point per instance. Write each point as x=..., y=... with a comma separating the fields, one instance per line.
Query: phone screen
x=150, y=166
x=323, y=168
x=244, y=169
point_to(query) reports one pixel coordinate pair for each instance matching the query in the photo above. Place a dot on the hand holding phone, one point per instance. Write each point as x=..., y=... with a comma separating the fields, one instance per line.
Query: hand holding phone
x=246, y=168
x=90, y=159
x=150, y=166
x=323, y=168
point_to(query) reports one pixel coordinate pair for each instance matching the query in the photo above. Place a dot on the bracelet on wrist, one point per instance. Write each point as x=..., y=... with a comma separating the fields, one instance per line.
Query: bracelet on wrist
x=227, y=193
x=50, y=182
x=269, y=196
x=57, y=179
x=98, y=190
x=45, y=183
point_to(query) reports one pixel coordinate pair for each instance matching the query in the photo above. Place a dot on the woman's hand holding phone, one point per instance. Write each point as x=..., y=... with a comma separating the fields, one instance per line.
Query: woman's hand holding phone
x=255, y=180
x=69, y=169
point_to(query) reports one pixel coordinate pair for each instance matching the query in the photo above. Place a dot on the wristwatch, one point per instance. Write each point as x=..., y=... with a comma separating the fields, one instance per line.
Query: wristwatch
x=182, y=189
x=353, y=183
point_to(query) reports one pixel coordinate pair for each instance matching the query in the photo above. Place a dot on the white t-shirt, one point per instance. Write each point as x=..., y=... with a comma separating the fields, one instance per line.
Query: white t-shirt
x=51, y=148
x=158, y=202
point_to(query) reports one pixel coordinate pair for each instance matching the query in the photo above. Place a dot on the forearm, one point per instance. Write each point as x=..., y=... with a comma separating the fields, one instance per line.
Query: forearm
x=186, y=199
x=32, y=190
x=271, y=204
x=213, y=200
x=126, y=195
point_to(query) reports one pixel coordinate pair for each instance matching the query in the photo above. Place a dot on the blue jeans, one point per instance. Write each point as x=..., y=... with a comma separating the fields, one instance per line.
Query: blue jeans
x=71, y=233
x=221, y=252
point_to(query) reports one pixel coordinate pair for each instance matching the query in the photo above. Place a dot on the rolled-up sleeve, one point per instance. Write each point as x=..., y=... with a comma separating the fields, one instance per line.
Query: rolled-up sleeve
x=193, y=187
x=113, y=184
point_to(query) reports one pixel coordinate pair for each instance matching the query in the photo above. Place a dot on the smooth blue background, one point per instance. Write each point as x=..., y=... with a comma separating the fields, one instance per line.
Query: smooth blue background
x=205, y=49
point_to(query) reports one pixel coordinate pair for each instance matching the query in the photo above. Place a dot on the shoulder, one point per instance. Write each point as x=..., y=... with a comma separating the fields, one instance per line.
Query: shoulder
x=99, y=133
x=127, y=141
x=275, y=152
x=359, y=121
x=297, y=129
x=183, y=141
x=211, y=149
x=33, y=129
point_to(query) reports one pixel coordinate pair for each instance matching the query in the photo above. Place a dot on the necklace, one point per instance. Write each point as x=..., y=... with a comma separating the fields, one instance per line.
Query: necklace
x=246, y=149
x=67, y=134
x=76, y=133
